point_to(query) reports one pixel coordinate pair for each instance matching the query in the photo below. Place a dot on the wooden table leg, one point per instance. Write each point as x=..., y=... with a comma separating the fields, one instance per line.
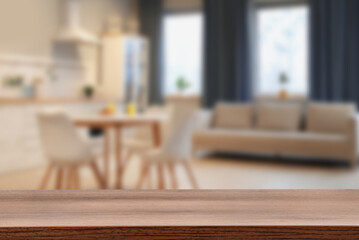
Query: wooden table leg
x=157, y=140
x=106, y=156
x=161, y=180
x=77, y=184
x=59, y=178
x=119, y=167
x=156, y=134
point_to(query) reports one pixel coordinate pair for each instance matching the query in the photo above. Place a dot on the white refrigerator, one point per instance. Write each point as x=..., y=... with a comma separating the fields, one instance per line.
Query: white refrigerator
x=124, y=68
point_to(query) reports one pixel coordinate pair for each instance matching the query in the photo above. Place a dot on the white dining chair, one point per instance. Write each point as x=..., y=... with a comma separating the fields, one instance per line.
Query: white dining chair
x=141, y=139
x=175, y=151
x=65, y=151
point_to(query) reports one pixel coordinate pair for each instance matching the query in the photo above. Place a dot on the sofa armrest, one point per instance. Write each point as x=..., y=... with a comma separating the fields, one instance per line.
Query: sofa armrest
x=352, y=133
x=203, y=119
x=352, y=128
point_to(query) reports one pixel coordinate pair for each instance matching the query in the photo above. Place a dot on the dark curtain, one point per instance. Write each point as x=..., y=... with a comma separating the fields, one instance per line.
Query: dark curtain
x=226, y=60
x=334, y=50
x=150, y=15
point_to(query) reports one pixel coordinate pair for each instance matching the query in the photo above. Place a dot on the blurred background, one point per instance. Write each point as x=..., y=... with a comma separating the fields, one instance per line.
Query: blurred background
x=164, y=94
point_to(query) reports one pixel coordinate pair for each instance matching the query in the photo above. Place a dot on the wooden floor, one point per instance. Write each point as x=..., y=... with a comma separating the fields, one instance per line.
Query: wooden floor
x=222, y=172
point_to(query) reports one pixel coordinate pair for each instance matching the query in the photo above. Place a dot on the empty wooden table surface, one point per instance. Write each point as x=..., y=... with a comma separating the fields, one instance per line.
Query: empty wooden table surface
x=180, y=214
x=117, y=123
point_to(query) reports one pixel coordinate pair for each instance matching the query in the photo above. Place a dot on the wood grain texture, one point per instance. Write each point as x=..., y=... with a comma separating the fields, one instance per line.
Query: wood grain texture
x=180, y=214
x=147, y=233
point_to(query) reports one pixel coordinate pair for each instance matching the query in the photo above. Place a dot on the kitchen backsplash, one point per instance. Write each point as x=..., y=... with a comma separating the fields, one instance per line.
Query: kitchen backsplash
x=25, y=76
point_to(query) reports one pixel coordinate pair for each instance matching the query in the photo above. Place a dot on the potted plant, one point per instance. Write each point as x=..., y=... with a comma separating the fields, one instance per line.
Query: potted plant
x=283, y=81
x=88, y=91
x=182, y=84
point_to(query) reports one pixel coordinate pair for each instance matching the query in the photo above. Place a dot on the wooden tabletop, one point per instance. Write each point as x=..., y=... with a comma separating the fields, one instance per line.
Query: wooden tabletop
x=229, y=214
x=97, y=119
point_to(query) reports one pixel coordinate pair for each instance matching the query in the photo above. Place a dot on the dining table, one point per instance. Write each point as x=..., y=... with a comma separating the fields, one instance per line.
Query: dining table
x=117, y=123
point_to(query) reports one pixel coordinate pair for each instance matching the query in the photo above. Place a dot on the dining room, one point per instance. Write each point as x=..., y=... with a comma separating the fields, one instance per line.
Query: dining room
x=138, y=94
x=179, y=119
x=75, y=110
x=88, y=61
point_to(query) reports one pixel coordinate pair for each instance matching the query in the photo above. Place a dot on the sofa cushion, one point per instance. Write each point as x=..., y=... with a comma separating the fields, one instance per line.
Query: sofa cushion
x=329, y=118
x=279, y=117
x=233, y=116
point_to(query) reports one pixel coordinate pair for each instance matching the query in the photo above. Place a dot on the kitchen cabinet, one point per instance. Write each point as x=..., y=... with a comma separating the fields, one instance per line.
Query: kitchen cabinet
x=125, y=68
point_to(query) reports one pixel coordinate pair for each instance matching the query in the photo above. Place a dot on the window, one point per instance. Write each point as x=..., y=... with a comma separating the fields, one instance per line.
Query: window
x=282, y=50
x=182, y=52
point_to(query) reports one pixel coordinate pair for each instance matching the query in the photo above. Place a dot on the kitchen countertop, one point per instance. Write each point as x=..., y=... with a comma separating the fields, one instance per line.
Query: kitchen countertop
x=25, y=101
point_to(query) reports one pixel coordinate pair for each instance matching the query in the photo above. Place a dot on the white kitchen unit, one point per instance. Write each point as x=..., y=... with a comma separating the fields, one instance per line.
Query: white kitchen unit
x=20, y=145
x=124, y=68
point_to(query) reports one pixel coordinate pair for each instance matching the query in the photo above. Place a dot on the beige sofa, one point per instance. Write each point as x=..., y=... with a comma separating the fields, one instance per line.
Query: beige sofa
x=313, y=130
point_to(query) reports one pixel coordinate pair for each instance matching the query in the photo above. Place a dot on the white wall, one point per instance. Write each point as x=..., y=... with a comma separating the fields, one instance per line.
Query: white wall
x=27, y=27
x=183, y=5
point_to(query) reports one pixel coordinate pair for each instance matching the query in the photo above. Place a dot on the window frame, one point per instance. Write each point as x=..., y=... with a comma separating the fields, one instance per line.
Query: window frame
x=254, y=7
x=172, y=12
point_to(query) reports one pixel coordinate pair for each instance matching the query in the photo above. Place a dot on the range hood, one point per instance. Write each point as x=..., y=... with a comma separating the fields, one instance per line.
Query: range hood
x=72, y=31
